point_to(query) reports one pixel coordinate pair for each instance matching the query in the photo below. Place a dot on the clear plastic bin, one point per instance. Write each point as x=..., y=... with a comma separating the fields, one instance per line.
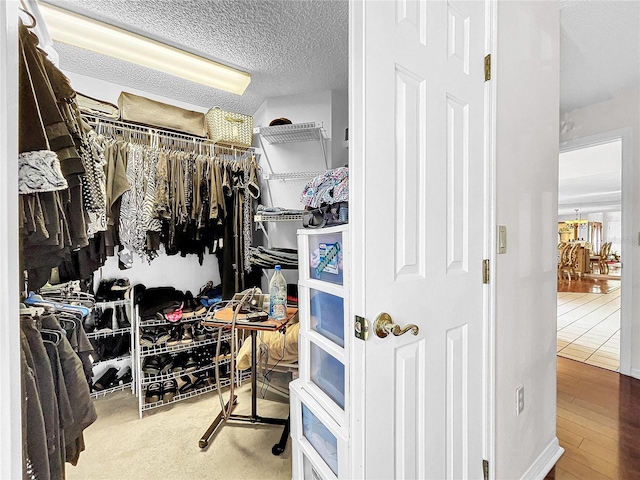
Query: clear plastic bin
x=327, y=373
x=327, y=315
x=322, y=440
x=325, y=257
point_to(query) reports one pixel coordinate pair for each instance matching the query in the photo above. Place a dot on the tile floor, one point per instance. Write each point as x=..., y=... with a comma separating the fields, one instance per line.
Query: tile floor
x=589, y=328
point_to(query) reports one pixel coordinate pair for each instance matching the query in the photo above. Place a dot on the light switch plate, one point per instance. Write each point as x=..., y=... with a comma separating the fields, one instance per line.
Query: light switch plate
x=502, y=239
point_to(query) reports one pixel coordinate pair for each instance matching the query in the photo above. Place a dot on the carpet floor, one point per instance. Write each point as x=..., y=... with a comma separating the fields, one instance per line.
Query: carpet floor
x=164, y=443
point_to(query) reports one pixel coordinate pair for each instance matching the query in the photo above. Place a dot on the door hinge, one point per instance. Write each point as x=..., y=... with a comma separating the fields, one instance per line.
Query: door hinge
x=487, y=68
x=485, y=469
x=485, y=271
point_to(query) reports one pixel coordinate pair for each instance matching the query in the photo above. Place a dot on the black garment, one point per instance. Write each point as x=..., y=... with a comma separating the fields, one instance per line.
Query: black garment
x=159, y=299
x=49, y=401
x=77, y=389
x=34, y=435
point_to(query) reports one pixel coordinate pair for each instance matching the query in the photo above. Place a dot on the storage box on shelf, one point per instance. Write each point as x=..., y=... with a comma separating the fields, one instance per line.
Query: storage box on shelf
x=320, y=399
x=185, y=364
x=113, y=340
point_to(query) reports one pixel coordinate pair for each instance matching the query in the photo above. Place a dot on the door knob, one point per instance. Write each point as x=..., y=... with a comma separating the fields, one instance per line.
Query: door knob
x=384, y=326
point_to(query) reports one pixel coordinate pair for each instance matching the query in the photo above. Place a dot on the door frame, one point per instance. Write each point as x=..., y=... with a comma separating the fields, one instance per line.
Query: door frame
x=10, y=391
x=357, y=221
x=625, y=136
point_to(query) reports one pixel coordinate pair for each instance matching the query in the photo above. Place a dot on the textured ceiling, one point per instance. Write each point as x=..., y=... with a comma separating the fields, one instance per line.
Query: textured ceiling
x=298, y=46
x=599, y=50
x=289, y=47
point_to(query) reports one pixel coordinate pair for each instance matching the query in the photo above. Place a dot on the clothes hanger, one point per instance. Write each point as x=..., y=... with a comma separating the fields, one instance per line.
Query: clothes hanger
x=30, y=15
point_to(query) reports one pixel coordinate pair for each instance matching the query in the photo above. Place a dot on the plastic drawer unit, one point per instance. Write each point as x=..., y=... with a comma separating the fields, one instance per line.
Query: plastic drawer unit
x=320, y=444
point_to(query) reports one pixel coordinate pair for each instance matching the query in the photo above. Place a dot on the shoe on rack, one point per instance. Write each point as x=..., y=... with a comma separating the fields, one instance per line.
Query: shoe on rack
x=184, y=384
x=121, y=317
x=192, y=308
x=187, y=334
x=169, y=389
x=118, y=288
x=191, y=364
x=126, y=376
x=122, y=345
x=199, y=332
x=165, y=362
x=151, y=365
x=104, y=290
x=154, y=393
x=225, y=348
x=148, y=337
x=162, y=335
x=105, y=322
x=174, y=336
x=106, y=380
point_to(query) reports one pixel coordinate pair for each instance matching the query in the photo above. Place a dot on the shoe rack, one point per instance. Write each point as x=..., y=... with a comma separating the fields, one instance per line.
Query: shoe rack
x=176, y=360
x=111, y=333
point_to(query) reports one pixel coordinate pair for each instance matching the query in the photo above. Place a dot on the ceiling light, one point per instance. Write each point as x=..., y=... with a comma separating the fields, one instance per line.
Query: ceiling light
x=77, y=30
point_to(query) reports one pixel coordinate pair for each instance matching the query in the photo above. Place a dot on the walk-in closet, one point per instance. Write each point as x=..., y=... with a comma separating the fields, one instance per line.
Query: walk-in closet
x=174, y=159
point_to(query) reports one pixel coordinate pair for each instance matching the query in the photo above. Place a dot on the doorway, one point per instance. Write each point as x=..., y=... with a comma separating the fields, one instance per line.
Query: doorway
x=589, y=258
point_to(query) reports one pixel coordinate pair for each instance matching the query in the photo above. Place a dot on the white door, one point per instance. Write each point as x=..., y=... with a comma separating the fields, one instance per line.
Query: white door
x=423, y=234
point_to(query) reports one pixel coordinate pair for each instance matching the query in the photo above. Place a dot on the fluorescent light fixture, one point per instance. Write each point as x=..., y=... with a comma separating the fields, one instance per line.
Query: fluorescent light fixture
x=77, y=30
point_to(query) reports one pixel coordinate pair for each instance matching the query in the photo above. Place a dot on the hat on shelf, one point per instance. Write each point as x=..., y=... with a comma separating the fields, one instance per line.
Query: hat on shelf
x=279, y=121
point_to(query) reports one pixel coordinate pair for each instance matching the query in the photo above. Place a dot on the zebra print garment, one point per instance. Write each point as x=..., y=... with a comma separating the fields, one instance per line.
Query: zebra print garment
x=132, y=234
x=149, y=221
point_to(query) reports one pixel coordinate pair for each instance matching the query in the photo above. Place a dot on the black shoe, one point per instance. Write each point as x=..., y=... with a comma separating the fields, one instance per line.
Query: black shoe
x=105, y=322
x=169, y=389
x=154, y=393
x=225, y=348
x=121, y=317
x=187, y=334
x=165, y=362
x=148, y=337
x=125, y=377
x=118, y=288
x=162, y=335
x=106, y=380
x=151, y=365
x=104, y=290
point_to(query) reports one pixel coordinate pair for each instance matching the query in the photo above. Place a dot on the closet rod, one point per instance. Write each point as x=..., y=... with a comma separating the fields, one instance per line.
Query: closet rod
x=150, y=130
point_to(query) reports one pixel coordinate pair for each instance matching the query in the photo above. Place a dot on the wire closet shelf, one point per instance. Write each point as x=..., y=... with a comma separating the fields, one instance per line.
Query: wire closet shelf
x=149, y=133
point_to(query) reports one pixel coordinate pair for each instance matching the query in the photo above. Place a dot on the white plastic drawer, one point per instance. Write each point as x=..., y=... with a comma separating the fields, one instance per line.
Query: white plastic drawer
x=327, y=373
x=319, y=443
x=326, y=314
x=326, y=257
x=321, y=439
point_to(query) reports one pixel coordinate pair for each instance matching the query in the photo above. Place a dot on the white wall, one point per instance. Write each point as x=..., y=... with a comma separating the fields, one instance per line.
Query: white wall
x=620, y=113
x=10, y=395
x=527, y=82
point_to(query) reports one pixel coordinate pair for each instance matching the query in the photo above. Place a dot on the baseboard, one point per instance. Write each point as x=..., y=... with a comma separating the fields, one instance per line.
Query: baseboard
x=635, y=373
x=545, y=462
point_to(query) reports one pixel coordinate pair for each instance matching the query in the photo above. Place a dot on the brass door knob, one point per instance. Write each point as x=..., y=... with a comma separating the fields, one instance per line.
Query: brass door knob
x=384, y=326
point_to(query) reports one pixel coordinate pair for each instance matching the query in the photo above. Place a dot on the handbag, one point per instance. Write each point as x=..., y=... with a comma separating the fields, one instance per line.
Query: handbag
x=326, y=216
x=229, y=128
x=137, y=109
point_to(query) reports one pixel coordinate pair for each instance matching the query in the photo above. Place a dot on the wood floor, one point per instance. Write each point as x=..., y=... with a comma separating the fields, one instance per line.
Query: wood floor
x=598, y=423
x=589, y=284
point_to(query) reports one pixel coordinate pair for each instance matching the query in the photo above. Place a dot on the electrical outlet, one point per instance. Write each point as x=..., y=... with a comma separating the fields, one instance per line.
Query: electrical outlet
x=519, y=399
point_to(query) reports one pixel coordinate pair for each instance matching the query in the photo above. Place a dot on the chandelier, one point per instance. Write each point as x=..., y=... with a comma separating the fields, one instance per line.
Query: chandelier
x=578, y=221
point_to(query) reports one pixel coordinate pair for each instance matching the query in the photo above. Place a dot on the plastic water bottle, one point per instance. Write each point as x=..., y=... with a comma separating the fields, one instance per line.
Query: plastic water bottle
x=277, y=295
